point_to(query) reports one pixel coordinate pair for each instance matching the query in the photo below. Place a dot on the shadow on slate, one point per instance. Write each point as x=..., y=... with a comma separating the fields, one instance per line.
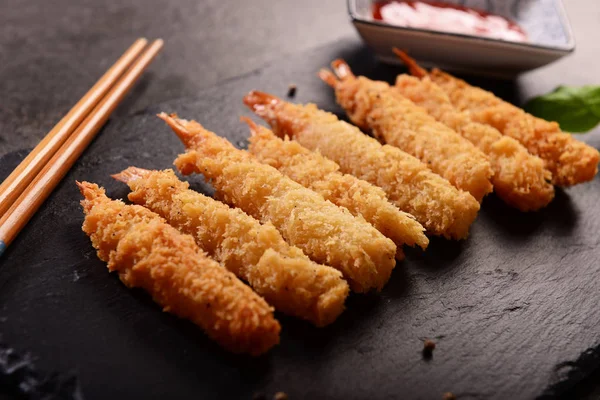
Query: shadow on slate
x=560, y=216
x=508, y=308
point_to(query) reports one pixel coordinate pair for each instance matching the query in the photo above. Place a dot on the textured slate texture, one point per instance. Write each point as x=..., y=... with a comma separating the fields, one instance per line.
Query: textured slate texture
x=509, y=307
x=514, y=309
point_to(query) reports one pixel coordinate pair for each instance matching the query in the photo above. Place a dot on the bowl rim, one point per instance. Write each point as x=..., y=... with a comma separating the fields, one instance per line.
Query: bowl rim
x=569, y=47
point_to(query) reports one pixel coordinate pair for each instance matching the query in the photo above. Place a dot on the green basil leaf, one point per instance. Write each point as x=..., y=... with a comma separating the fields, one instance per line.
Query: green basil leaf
x=575, y=109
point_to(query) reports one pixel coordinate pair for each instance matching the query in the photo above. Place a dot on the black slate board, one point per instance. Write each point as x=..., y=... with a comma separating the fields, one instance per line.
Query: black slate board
x=513, y=309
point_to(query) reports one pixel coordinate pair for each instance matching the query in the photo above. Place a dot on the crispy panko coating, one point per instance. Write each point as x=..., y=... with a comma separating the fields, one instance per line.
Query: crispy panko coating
x=520, y=178
x=150, y=254
x=569, y=160
x=433, y=201
x=325, y=232
x=257, y=253
x=397, y=121
x=322, y=175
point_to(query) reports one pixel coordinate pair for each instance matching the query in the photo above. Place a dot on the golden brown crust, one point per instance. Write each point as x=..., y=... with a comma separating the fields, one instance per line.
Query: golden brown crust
x=328, y=234
x=150, y=254
x=434, y=202
x=520, y=178
x=569, y=160
x=397, y=121
x=322, y=175
x=257, y=253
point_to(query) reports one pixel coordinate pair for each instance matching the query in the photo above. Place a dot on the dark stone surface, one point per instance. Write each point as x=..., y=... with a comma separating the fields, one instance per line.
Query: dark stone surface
x=514, y=309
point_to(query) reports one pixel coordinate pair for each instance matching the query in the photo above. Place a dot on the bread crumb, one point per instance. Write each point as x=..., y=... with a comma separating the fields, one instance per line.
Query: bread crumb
x=291, y=90
x=428, y=347
x=449, y=396
x=280, y=396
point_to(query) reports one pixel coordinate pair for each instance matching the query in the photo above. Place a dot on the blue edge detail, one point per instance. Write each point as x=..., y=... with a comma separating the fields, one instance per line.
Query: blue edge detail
x=2, y=247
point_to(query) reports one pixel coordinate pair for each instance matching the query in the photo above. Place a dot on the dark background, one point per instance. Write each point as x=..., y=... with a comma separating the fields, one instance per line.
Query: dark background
x=51, y=52
x=57, y=301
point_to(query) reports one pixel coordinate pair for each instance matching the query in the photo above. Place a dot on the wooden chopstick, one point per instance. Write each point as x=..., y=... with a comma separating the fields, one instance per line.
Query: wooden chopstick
x=21, y=177
x=40, y=188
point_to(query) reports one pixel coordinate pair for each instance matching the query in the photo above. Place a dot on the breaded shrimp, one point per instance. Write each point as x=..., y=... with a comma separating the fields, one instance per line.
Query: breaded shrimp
x=325, y=232
x=257, y=253
x=322, y=175
x=520, y=178
x=410, y=185
x=149, y=253
x=397, y=121
x=569, y=160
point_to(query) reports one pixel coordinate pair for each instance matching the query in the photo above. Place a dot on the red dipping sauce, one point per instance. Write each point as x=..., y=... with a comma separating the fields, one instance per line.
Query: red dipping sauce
x=445, y=17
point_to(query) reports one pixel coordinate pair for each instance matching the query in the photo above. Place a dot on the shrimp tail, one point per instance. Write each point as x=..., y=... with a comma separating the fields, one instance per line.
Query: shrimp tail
x=328, y=77
x=259, y=101
x=342, y=69
x=178, y=126
x=257, y=131
x=90, y=191
x=92, y=195
x=131, y=174
x=412, y=65
x=254, y=128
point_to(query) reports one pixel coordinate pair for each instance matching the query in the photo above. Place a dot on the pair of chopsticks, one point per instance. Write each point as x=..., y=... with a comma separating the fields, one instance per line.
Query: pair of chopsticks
x=28, y=186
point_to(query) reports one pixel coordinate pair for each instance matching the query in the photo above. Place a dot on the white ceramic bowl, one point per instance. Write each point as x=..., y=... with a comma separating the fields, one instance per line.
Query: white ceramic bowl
x=544, y=21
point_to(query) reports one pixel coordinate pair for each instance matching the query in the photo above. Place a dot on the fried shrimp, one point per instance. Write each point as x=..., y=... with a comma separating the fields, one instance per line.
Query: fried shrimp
x=149, y=253
x=410, y=185
x=257, y=253
x=569, y=160
x=520, y=178
x=325, y=232
x=397, y=121
x=322, y=175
